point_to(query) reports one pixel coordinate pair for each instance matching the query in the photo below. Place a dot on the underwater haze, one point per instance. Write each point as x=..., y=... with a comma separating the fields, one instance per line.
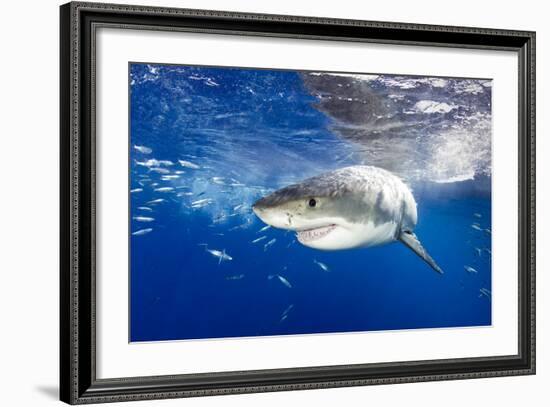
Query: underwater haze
x=208, y=142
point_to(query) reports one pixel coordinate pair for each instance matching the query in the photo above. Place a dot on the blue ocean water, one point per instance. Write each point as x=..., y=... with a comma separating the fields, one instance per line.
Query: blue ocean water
x=207, y=142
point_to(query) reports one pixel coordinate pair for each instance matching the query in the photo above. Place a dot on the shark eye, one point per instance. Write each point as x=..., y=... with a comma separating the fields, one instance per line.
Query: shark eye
x=312, y=203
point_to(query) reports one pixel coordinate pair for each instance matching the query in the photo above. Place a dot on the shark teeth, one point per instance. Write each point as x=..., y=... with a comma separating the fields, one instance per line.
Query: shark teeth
x=314, y=234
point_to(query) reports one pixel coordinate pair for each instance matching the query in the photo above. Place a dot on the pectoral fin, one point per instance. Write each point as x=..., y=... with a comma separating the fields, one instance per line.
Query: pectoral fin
x=410, y=240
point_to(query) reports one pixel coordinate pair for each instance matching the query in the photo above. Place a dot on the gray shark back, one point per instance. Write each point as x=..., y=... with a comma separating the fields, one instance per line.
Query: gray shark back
x=371, y=193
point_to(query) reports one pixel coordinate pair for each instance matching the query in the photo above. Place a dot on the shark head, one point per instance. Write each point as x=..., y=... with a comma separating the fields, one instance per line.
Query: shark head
x=328, y=212
x=316, y=226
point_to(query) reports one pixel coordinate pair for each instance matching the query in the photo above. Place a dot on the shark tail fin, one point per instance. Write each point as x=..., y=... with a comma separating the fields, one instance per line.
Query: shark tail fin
x=410, y=240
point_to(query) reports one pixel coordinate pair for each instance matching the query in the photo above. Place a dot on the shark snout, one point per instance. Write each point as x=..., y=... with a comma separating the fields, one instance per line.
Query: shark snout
x=258, y=210
x=272, y=217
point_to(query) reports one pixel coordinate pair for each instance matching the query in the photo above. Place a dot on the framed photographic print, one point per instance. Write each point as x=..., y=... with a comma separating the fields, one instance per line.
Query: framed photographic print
x=255, y=203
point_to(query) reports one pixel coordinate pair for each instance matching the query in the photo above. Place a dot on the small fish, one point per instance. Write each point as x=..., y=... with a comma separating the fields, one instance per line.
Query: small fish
x=201, y=205
x=476, y=226
x=288, y=309
x=188, y=164
x=168, y=163
x=470, y=269
x=488, y=251
x=259, y=239
x=156, y=201
x=142, y=232
x=237, y=277
x=145, y=208
x=477, y=215
x=218, y=180
x=323, y=266
x=152, y=162
x=164, y=189
x=160, y=170
x=184, y=194
x=201, y=201
x=236, y=208
x=270, y=243
x=143, y=219
x=285, y=313
x=241, y=226
x=488, y=231
x=169, y=177
x=478, y=251
x=198, y=206
x=484, y=292
x=143, y=149
x=283, y=280
x=221, y=255
x=263, y=229
x=219, y=218
x=133, y=191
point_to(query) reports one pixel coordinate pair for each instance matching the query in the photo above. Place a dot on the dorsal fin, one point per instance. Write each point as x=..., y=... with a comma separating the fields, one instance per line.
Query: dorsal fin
x=410, y=240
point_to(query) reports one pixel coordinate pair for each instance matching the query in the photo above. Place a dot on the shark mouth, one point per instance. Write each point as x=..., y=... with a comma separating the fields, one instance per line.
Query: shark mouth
x=309, y=235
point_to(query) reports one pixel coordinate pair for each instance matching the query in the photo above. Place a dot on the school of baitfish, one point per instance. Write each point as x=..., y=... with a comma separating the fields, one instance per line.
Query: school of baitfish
x=161, y=176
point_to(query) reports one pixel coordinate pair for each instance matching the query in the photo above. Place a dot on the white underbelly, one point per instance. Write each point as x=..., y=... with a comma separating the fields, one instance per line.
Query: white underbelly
x=374, y=235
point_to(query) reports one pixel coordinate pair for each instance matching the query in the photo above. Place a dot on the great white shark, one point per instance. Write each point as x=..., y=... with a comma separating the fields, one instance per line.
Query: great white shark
x=352, y=207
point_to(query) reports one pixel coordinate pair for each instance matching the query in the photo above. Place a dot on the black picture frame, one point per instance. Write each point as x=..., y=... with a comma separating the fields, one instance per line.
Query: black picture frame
x=78, y=382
